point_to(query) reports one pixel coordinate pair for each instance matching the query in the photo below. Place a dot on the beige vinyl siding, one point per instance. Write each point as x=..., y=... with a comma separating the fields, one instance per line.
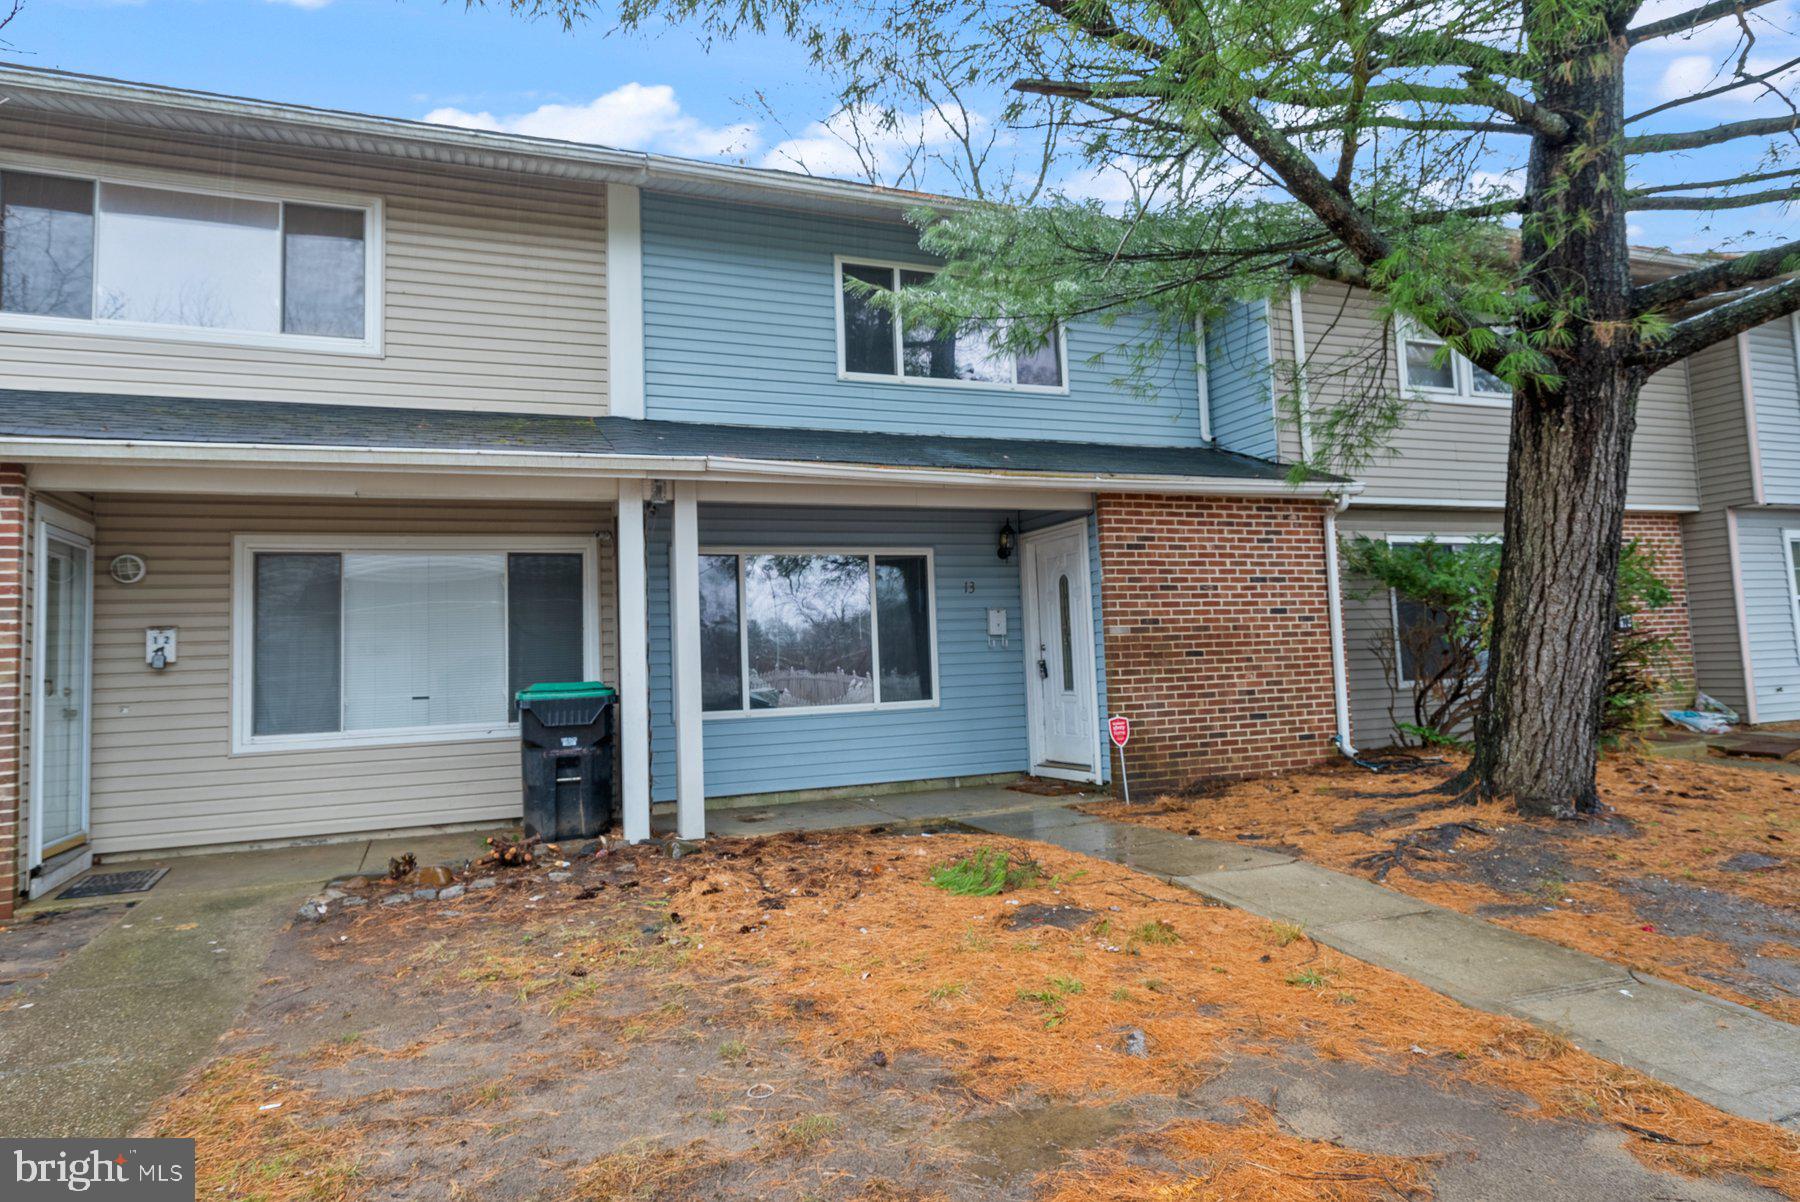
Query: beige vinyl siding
x=1447, y=451
x=1712, y=607
x=495, y=286
x=78, y=506
x=1375, y=705
x=164, y=775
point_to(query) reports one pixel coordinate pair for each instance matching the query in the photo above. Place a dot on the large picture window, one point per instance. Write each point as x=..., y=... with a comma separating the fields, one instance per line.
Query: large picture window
x=152, y=260
x=1421, y=630
x=373, y=643
x=873, y=344
x=816, y=630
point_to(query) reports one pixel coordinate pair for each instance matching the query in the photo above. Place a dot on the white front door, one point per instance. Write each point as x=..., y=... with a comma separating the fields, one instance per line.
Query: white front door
x=1059, y=646
x=62, y=679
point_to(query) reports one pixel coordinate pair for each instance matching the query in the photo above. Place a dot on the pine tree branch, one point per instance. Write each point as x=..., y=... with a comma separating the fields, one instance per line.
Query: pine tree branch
x=1740, y=272
x=1691, y=19
x=1755, y=177
x=1693, y=139
x=1424, y=49
x=1638, y=202
x=1687, y=338
x=1335, y=270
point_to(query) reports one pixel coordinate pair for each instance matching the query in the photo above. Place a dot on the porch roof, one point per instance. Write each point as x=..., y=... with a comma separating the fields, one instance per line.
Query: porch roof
x=170, y=422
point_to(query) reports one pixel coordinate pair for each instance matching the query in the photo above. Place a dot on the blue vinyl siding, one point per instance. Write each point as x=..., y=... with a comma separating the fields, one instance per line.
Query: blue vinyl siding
x=1238, y=380
x=1775, y=383
x=740, y=327
x=1769, y=612
x=978, y=726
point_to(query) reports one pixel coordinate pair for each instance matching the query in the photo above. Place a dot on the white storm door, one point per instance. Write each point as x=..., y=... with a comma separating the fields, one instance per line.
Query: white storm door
x=1060, y=652
x=62, y=677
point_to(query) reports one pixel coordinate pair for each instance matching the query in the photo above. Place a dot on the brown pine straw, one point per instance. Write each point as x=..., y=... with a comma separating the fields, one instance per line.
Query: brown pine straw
x=848, y=930
x=1252, y=1161
x=1688, y=819
x=246, y=1154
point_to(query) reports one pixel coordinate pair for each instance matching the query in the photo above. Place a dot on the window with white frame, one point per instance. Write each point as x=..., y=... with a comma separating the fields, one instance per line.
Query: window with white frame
x=136, y=258
x=816, y=630
x=1792, y=539
x=1428, y=366
x=872, y=344
x=372, y=642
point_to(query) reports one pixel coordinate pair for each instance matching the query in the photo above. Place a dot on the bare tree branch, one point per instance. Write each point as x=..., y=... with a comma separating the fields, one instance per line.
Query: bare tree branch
x=1638, y=202
x=1691, y=19
x=1755, y=177
x=1719, y=277
x=1684, y=338
x=1335, y=270
x=1693, y=139
x=1742, y=81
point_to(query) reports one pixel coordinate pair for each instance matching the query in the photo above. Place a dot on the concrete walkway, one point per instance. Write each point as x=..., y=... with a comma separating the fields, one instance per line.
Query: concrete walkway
x=1739, y=1060
x=88, y=1049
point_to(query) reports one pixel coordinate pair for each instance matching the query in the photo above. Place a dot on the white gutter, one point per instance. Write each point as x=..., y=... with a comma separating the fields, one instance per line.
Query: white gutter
x=145, y=452
x=1334, y=600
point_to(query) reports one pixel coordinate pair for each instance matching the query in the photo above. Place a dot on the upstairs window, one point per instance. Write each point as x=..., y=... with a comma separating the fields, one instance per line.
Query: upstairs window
x=873, y=345
x=1425, y=366
x=130, y=258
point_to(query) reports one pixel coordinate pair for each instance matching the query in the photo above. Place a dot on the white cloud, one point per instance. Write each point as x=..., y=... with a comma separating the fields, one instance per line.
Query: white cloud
x=632, y=117
x=856, y=144
x=1691, y=74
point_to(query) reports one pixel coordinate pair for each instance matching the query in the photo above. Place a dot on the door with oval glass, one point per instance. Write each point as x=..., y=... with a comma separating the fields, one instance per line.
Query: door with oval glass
x=1059, y=645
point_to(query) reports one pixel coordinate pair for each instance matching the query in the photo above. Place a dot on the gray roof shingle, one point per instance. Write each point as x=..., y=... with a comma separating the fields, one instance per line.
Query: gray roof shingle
x=110, y=417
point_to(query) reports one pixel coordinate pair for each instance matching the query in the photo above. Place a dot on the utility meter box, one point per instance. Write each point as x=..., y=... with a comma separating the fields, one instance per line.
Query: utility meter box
x=996, y=623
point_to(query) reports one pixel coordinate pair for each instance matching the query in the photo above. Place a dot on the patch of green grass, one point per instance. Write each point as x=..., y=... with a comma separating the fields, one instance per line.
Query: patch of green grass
x=1053, y=999
x=1158, y=931
x=1284, y=933
x=948, y=990
x=808, y=1131
x=986, y=873
x=733, y=1049
x=1310, y=978
x=1154, y=984
x=1121, y=994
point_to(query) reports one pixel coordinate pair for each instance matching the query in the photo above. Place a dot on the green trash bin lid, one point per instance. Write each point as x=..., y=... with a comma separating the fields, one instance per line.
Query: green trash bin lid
x=563, y=690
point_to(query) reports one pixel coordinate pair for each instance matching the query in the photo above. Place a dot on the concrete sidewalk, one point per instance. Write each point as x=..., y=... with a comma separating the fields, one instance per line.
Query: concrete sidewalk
x=1741, y=1061
x=87, y=1050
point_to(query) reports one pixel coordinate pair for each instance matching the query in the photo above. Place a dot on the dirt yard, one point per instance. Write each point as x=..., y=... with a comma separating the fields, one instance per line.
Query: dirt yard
x=1691, y=875
x=859, y=1017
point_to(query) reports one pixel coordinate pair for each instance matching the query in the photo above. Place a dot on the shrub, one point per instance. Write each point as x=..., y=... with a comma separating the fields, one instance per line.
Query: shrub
x=985, y=873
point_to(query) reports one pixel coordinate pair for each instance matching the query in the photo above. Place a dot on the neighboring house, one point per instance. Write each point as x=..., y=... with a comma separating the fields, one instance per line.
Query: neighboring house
x=320, y=434
x=1744, y=542
x=1443, y=472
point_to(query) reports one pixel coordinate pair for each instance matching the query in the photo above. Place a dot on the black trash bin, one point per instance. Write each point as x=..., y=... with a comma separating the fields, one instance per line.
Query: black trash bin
x=566, y=759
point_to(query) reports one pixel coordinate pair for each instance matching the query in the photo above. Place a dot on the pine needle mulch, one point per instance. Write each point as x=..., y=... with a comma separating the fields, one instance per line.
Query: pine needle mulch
x=1254, y=1159
x=1690, y=823
x=249, y=1145
x=850, y=930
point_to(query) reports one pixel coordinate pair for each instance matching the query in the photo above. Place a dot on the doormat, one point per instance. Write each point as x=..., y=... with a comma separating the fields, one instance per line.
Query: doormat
x=1047, y=788
x=104, y=884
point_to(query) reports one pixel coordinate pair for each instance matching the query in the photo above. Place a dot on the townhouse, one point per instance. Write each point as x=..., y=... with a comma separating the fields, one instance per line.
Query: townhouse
x=321, y=434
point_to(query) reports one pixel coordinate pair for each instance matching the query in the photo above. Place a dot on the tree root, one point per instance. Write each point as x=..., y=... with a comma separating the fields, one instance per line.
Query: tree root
x=1424, y=845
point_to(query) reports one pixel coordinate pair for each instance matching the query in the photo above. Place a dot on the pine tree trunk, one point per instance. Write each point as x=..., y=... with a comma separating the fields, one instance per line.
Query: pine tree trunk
x=1538, y=733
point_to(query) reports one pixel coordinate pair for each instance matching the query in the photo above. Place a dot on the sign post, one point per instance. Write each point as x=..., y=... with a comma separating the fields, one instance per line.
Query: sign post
x=1119, y=727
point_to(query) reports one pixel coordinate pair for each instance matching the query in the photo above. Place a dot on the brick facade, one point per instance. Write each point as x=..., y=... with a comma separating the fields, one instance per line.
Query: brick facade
x=1218, y=635
x=12, y=633
x=1660, y=535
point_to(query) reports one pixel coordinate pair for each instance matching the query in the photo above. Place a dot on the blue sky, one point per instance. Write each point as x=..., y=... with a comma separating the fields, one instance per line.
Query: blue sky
x=416, y=58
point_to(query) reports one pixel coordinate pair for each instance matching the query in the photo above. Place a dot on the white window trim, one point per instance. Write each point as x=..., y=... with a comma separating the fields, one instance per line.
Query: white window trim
x=1400, y=677
x=900, y=377
x=244, y=548
x=1461, y=370
x=1789, y=538
x=374, y=260
x=937, y=684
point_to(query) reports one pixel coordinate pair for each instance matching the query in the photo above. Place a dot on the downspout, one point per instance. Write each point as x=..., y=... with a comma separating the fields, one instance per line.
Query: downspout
x=1334, y=602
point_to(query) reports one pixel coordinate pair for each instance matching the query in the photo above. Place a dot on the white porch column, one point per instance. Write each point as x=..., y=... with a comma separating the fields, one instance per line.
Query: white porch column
x=634, y=666
x=684, y=621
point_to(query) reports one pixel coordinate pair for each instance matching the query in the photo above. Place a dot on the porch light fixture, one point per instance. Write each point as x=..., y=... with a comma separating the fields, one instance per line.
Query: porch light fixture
x=1009, y=538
